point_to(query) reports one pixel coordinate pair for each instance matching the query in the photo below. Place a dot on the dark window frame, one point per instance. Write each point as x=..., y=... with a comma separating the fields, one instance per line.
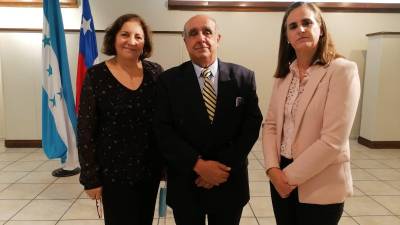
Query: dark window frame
x=269, y=6
x=36, y=3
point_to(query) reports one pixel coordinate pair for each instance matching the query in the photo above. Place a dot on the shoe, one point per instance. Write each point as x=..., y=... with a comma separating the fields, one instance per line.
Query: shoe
x=60, y=172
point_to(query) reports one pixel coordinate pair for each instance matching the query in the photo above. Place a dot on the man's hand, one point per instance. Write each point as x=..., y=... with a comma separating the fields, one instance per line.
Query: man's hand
x=94, y=193
x=200, y=182
x=212, y=172
x=280, y=182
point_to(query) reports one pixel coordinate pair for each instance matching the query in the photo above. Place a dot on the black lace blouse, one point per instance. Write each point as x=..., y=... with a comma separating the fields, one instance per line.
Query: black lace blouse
x=116, y=143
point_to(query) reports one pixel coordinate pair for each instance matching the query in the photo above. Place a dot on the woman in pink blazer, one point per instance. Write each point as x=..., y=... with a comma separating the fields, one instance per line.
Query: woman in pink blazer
x=306, y=131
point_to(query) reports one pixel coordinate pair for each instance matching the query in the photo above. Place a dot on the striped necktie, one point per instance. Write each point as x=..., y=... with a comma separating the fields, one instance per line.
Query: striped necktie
x=209, y=96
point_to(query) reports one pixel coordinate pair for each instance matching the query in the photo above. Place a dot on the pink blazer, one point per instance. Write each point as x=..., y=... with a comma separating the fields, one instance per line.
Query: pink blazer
x=320, y=149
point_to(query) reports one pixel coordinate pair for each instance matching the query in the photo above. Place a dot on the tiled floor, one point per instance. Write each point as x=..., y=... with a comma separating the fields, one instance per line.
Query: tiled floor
x=29, y=195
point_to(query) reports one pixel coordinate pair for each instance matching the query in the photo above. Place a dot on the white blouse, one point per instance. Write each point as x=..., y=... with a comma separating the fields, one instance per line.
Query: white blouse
x=293, y=97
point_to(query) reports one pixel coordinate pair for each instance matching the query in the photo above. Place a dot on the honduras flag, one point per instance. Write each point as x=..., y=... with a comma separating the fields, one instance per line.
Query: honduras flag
x=87, y=48
x=58, y=112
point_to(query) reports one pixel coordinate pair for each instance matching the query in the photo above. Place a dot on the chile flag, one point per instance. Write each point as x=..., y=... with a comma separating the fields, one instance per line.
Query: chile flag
x=87, y=48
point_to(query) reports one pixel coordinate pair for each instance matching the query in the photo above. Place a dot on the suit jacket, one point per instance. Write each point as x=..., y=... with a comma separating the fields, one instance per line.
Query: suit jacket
x=320, y=148
x=184, y=133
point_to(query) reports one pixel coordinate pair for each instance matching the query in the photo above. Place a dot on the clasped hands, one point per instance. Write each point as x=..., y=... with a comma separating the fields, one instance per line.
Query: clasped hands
x=211, y=173
x=280, y=182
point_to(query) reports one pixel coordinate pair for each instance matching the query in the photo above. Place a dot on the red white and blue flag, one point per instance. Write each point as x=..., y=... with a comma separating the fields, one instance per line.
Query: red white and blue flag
x=87, y=48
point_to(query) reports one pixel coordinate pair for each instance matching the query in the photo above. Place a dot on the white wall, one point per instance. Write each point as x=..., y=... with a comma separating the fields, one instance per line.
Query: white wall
x=381, y=105
x=248, y=38
x=1, y=106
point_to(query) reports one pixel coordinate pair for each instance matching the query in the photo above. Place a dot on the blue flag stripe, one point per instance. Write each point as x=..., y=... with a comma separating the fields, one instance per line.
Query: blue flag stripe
x=58, y=117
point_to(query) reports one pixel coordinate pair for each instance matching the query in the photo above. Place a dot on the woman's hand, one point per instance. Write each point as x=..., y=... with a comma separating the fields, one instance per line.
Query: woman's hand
x=95, y=193
x=280, y=182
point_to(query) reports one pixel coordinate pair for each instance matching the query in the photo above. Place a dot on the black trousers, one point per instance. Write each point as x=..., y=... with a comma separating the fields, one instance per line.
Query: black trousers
x=289, y=211
x=130, y=205
x=194, y=215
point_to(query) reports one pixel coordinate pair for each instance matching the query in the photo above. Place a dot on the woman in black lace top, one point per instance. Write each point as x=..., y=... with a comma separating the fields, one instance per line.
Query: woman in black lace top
x=117, y=151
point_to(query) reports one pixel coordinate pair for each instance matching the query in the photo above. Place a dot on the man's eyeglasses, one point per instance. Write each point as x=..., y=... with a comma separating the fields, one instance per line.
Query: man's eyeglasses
x=99, y=207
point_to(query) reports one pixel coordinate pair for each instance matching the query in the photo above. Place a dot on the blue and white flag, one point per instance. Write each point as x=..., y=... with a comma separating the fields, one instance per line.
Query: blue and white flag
x=58, y=112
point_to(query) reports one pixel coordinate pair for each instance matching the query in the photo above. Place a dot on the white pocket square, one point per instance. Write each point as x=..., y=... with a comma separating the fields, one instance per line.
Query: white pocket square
x=239, y=101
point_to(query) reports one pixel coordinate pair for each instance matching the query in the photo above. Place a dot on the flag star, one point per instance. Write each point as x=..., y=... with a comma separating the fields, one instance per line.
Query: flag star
x=86, y=25
x=46, y=41
x=50, y=70
x=53, y=101
x=60, y=93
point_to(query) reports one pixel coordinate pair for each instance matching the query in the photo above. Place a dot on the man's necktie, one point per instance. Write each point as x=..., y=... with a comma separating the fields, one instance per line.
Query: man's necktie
x=209, y=96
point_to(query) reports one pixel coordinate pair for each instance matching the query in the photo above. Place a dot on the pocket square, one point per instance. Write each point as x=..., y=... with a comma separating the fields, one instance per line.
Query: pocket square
x=239, y=101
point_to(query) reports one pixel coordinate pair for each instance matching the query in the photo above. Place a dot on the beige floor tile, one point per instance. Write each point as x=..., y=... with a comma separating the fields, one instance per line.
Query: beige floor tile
x=354, y=166
x=257, y=175
x=266, y=221
x=259, y=155
x=395, y=184
x=61, y=191
x=11, y=156
x=3, y=186
x=361, y=174
x=376, y=188
x=390, y=202
x=262, y=206
x=357, y=192
x=378, y=220
x=357, y=155
x=22, y=191
x=167, y=221
x=385, y=174
x=8, y=208
x=38, y=178
x=21, y=150
x=255, y=164
x=49, y=165
x=251, y=156
x=380, y=153
x=363, y=206
x=257, y=146
x=85, y=196
x=68, y=180
x=82, y=209
x=347, y=221
x=259, y=188
x=11, y=177
x=43, y=210
x=23, y=166
x=35, y=156
x=2, y=222
x=247, y=212
x=81, y=222
x=248, y=221
x=4, y=164
x=369, y=164
x=31, y=222
x=393, y=163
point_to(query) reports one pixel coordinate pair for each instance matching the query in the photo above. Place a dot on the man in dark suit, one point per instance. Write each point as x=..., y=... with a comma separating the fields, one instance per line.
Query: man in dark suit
x=207, y=120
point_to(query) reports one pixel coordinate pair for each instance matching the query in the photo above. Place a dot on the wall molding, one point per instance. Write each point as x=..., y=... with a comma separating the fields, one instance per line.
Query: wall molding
x=39, y=30
x=279, y=6
x=36, y=3
x=379, y=144
x=23, y=143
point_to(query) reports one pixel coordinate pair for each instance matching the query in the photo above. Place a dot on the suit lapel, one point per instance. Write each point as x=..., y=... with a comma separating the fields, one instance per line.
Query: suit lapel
x=192, y=92
x=307, y=95
x=284, y=88
x=225, y=89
